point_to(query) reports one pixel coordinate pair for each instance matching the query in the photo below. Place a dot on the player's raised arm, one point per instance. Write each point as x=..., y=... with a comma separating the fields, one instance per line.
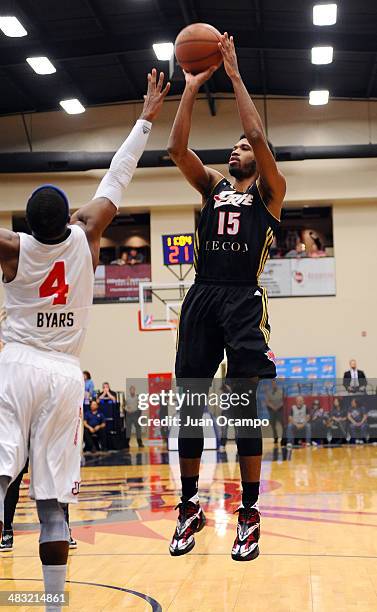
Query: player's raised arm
x=271, y=181
x=199, y=176
x=98, y=214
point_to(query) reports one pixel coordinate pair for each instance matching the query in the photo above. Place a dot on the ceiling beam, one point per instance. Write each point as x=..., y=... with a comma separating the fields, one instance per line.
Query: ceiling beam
x=189, y=15
x=30, y=17
x=101, y=22
x=20, y=88
x=262, y=63
x=372, y=78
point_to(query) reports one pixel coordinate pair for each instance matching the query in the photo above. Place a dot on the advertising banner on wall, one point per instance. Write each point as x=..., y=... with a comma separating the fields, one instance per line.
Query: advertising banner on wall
x=299, y=277
x=306, y=367
x=120, y=283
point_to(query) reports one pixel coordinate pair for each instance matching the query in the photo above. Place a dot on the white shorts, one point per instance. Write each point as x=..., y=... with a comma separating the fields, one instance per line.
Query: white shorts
x=41, y=398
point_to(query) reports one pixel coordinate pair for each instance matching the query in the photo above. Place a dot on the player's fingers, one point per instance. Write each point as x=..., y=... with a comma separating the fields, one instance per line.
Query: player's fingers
x=166, y=90
x=153, y=77
x=160, y=81
x=149, y=82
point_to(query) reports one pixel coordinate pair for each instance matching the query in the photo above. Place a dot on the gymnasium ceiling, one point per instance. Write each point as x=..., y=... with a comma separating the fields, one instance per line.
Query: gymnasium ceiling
x=102, y=49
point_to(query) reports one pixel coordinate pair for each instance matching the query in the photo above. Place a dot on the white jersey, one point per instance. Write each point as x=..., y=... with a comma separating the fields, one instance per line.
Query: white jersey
x=47, y=304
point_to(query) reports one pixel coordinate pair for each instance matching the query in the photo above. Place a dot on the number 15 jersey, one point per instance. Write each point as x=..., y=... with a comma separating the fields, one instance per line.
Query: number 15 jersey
x=48, y=302
x=234, y=236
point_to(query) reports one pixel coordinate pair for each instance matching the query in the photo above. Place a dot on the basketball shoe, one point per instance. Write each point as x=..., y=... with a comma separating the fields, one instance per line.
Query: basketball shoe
x=6, y=543
x=191, y=520
x=72, y=541
x=245, y=547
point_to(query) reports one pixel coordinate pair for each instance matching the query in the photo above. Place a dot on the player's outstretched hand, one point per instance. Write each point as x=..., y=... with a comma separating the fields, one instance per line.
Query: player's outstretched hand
x=195, y=81
x=228, y=52
x=155, y=96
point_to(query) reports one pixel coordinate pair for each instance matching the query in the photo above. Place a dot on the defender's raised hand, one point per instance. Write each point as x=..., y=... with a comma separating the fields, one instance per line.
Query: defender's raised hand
x=155, y=96
x=228, y=52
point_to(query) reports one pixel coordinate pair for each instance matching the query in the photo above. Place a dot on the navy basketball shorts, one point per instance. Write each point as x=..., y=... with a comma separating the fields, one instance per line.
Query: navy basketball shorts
x=217, y=317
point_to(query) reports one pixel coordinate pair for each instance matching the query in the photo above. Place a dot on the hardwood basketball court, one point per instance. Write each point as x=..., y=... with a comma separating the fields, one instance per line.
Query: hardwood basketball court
x=318, y=547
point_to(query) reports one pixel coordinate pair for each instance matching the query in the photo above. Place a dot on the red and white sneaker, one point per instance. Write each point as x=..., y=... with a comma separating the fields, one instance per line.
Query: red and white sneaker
x=245, y=547
x=191, y=520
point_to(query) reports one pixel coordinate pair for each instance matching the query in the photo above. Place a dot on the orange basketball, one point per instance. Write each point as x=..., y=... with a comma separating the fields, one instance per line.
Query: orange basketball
x=196, y=47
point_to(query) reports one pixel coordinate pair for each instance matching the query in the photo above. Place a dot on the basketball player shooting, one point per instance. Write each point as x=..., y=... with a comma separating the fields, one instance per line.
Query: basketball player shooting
x=48, y=280
x=226, y=308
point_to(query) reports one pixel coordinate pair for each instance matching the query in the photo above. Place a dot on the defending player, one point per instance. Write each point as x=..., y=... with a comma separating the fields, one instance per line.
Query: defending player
x=48, y=282
x=226, y=307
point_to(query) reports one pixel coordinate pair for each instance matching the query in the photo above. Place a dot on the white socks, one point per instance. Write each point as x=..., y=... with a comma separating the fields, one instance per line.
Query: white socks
x=54, y=579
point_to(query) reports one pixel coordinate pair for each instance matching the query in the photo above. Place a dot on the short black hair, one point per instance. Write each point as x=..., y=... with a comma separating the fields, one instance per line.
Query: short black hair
x=47, y=212
x=87, y=374
x=270, y=145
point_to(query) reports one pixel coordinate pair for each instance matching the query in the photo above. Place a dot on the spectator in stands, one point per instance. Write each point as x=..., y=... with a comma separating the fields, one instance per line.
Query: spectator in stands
x=94, y=429
x=299, y=251
x=319, y=423
x=107, y=395
x=89, y=388
x=135, y=257
x=338, y=422
x=122, y=260
x=274, y=404
x=315, y=252
x=132, y=417
x=298, y=422
x=358, y=417
x=354, y=380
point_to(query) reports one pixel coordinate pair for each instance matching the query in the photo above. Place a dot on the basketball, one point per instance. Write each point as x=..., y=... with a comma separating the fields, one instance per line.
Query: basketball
x=196, y=47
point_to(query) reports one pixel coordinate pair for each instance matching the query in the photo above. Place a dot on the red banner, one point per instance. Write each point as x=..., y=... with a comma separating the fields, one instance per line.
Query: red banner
x=121, y=282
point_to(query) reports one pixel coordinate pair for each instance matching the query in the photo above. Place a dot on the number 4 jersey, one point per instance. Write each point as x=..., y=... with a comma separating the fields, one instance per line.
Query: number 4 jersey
x=234, y=236
x=48, y=302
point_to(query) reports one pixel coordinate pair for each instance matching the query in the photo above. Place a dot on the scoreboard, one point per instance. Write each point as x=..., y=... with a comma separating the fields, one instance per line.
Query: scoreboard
x=178, y=249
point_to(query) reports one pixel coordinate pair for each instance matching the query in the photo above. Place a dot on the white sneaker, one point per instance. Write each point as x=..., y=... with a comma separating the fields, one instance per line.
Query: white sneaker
x=315, y=444
x=289, y=445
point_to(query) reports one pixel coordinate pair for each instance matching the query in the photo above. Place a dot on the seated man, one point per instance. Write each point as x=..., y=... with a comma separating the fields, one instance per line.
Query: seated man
x=354, y=380
x=319, y=423
x=298, y=422
x=357, y=417
x=94, y=429
x=338, y=422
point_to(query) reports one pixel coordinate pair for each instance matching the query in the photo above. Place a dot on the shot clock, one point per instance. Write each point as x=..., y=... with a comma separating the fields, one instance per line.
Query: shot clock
x=178, y=249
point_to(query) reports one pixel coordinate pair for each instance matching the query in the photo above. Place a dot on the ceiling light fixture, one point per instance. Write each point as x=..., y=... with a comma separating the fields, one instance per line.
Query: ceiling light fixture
x=318, y=97
x=41, y=65
x=324, y=14
x=72, y=106
x=322, y=55
x=164, y=51
x=10, y=26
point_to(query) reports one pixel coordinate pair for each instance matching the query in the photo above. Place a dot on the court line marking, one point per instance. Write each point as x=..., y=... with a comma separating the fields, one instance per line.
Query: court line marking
x=156, y=607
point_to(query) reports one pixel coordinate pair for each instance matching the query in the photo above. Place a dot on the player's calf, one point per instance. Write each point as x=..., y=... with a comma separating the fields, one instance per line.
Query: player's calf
x=53, y=544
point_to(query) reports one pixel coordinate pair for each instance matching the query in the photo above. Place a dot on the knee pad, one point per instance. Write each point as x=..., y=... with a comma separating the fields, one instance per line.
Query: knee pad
x=51, y=514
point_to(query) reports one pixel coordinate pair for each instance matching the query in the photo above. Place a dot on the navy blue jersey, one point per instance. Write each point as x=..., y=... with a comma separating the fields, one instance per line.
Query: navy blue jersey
x=234, y=236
